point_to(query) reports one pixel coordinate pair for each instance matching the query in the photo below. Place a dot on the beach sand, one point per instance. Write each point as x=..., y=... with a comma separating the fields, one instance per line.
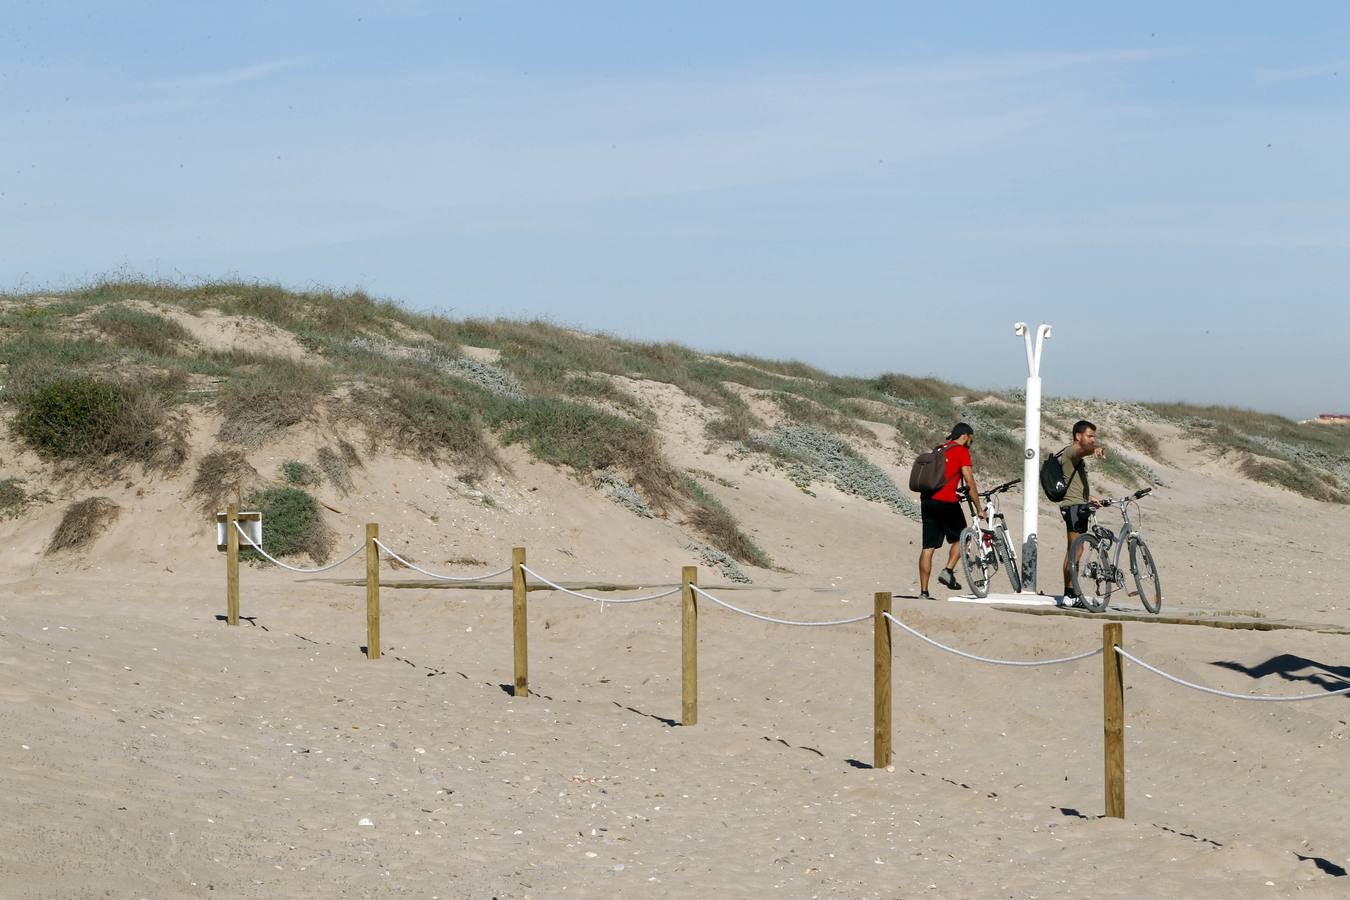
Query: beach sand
x=151, y=750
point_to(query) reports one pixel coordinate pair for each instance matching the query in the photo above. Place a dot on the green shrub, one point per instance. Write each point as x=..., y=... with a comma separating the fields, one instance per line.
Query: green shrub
x=300, y=474
x=429, y=418
x=352, y=314
x=997, y=454
x=586, y=439
x=907, y=387
x=139, y=330
x=801, y=411
x=601, y=389
x=35, y=358
x=918, y=433
x=1227, y=422
x=102, y=424
x=292, y=524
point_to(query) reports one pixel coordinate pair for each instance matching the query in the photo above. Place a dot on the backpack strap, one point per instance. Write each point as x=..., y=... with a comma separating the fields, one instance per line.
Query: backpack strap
x=948, y=445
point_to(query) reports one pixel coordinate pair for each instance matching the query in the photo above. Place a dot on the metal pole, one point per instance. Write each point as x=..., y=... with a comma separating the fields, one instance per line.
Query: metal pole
x=1031, y=463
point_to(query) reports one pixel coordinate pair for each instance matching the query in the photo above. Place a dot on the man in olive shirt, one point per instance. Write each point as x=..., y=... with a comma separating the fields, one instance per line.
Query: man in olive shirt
x=1075, y=508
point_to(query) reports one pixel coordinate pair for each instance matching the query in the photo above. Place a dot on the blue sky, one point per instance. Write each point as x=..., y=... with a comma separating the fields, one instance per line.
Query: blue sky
x=865, y=186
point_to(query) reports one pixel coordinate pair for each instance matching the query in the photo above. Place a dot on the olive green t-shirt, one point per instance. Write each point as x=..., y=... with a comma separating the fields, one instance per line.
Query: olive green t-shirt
x=1076, y=470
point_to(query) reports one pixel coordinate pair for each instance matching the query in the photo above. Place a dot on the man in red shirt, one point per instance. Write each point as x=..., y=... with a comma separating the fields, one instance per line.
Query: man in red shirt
x=943, y=518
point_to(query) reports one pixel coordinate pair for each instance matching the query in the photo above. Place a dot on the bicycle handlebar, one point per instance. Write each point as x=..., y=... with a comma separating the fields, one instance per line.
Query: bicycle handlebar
x=1007, y=485
x=1142, y=492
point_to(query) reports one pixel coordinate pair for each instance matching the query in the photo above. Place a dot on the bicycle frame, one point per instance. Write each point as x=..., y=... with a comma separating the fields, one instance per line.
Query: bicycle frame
x=1121, y=541
x=993, y=517
x=994, y=546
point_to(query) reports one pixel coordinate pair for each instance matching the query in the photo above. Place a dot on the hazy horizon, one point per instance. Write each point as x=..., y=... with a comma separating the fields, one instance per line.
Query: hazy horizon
x=876, y=187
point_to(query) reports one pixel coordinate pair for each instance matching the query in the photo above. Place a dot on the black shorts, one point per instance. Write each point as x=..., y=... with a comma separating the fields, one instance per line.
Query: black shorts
x=941, y=520
x=1076, y=517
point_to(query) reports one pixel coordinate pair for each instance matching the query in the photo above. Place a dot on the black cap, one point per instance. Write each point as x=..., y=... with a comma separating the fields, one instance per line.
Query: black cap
x=960, y=430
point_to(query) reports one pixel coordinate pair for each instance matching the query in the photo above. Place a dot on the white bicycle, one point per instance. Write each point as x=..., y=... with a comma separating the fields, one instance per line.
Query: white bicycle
x=986, y=545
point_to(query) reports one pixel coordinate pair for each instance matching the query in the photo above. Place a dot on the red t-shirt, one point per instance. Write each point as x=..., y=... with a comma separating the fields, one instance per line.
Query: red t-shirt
x=957, y=458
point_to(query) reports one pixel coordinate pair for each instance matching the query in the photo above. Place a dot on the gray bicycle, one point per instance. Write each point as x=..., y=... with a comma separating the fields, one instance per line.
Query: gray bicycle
x=1096, y=569
x=985, y=545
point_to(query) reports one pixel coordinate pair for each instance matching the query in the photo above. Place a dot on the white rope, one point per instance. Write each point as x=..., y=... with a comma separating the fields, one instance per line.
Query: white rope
x=385, y=547
x=997, y=662
x=1209, y=690
x=248, y=544
x=700, y=591
x=600, y=600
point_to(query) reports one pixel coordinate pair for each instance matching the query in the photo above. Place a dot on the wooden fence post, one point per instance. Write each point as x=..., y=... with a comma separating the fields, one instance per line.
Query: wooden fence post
x=688, y=646
x=231, y=565
x=881, y=688
x=1113, y=717
x=372, y=592
x=520, y=637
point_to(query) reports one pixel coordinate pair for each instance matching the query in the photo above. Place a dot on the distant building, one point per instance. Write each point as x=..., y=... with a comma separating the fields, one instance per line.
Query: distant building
x=1330, y=419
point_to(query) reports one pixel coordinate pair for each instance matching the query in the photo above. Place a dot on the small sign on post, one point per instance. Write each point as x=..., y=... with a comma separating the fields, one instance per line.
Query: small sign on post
x=228, y=526
x=250, y=522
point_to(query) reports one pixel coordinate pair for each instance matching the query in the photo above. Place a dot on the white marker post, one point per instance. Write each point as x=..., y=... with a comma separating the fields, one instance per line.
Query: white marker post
x=1031, y=464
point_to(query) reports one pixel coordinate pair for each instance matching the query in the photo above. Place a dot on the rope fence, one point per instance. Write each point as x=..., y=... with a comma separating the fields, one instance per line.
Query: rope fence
x=601, y=600
x=272, y=559
x=998, y=662
x=436, y=575
x=1112, y=651
x=745, y=612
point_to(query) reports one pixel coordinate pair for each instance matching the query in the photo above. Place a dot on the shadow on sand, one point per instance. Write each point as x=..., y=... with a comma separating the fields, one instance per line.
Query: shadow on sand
x=1290, y=667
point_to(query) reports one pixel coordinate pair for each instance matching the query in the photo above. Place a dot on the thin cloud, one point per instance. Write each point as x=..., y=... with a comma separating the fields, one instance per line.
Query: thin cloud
x=1111, y=234
x=234, y=76
x=1275, y=76
x=1024, y=64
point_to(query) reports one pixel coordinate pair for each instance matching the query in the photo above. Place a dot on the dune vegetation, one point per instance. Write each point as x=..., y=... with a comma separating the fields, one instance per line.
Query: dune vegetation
x=104, y=381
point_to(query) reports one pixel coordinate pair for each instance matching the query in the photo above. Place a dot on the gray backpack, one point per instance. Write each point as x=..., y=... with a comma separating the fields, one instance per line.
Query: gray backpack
x=929, y=472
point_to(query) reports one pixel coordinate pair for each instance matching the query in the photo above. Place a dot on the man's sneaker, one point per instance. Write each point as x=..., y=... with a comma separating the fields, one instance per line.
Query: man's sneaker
x=947, y=578
x=924, y=595
x=1072, y=599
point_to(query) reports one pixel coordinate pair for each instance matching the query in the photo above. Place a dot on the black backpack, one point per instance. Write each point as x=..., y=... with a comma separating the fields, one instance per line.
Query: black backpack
x=929, y=472
x=1053, y=480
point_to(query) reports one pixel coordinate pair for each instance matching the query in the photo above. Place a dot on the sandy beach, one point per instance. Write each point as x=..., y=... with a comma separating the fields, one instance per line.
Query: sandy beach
x=151, y=750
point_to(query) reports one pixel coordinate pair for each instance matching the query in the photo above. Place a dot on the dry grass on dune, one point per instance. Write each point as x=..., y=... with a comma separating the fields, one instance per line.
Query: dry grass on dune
x=82, y=524
x=222, y=477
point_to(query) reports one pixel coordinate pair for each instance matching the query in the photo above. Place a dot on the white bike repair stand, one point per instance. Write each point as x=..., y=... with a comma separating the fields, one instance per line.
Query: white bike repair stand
x=1031, y=463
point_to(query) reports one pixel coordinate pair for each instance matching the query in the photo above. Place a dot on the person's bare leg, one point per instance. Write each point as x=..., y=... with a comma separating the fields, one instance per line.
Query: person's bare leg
x=925, y=568
x=1068, y=583
x=954, y=557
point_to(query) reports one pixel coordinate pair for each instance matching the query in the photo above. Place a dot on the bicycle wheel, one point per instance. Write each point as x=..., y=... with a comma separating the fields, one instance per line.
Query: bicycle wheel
x=1090, y=571
x=1145, y=575
x=1005, y=550
x=978, y=564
